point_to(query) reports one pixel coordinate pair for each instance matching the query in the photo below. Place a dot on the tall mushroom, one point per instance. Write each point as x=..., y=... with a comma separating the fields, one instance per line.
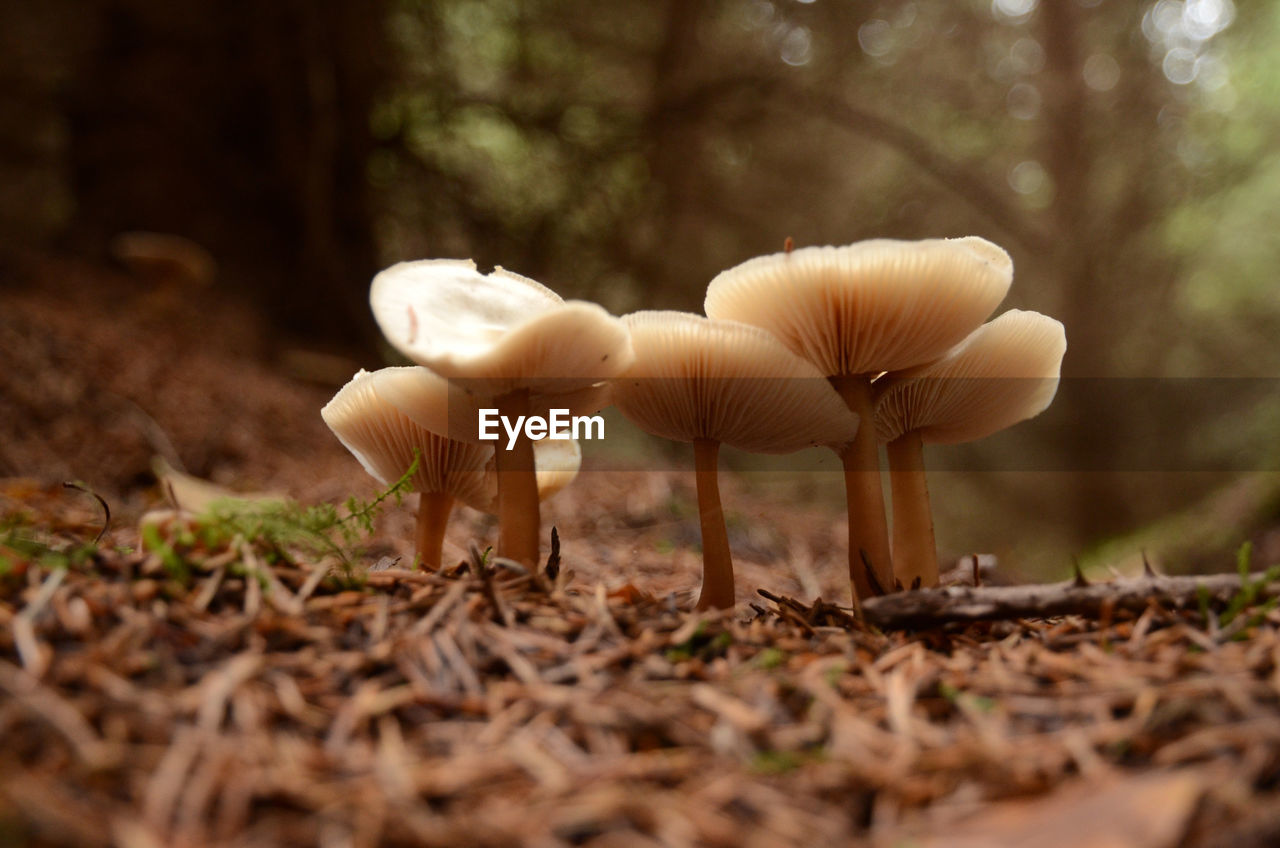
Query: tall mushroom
x=508, y=341
x=712, y=382
x=1006, y=371
x=855, y=312
x=385, y=441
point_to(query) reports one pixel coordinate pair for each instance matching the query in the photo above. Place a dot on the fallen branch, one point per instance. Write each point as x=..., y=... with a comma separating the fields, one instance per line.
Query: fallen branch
x=931, y=607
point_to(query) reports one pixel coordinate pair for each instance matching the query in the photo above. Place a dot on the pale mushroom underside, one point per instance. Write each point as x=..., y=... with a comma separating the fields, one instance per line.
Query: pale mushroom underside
x=1005, y=372
x=444, y=407
x=873, y=306
x=695, y=378
x=384, y=440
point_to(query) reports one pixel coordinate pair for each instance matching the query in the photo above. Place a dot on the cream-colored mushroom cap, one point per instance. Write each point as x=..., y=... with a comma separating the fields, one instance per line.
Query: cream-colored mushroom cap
x=556, y=464
x=384, y=440
x=872, y=306
x=1006, y=371
x=495, y=333
x=695, y=378
x=443, y=407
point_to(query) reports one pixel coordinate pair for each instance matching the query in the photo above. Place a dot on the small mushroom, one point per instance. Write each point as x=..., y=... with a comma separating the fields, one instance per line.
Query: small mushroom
x=385, y=441
x=855, y=312
x=509, y=341
x=712, y=382
x=1006, y=371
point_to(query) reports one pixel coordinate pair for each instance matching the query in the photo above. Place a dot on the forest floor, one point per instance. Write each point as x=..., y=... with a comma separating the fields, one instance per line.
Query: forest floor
x=216, y=681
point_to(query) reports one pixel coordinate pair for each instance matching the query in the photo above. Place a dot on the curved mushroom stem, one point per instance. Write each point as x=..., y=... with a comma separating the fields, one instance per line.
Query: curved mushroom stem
x=868, y=528
x=433, y=517
x=717, y=562
x=914, y=553
x=519, y=521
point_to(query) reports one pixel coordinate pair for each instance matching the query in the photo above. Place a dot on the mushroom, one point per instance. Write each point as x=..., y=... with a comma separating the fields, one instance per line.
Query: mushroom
x=509, y=341
x=855, y=312
x=1006, y=371
x=712, y=382
x=385, y=441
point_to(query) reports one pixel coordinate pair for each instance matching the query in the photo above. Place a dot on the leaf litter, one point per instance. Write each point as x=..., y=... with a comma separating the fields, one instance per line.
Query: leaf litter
x=258, y=698
x=226, y=689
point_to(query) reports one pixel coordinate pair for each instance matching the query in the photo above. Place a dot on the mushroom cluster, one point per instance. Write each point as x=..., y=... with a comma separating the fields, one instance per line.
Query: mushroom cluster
x=877, y=342
x=856, y=312
x=481, y=341
x=878, y=317
x=387, y=442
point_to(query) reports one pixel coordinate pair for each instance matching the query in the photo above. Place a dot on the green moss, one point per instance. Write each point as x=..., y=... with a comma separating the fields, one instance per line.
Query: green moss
x=770, y=658
x=781, y=762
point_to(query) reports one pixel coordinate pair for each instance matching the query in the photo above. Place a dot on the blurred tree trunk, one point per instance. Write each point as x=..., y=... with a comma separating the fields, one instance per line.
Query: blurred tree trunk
x=243, y=126
x=1087, y=248
x=674, y=150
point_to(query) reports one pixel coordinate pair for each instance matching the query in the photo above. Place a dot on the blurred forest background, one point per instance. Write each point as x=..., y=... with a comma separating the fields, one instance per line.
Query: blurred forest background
x=1122, y=150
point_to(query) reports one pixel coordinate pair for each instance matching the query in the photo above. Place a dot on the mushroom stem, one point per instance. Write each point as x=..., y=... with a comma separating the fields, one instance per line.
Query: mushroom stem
x=717, y=562
x=433, y=517
x=519, y=521
x=868, y=528
x=914, y=553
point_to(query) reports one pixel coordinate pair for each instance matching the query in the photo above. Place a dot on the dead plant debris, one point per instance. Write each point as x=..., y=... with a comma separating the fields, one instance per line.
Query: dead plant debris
x=259, y=699
x=234, y=693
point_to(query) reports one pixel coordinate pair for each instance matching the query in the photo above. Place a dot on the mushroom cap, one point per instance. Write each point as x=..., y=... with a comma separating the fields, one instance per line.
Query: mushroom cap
x=696, y=378
x=556, y=463
x=384, y=440
x=495, y=333
x=443, y=407
x=1006, y=371
x=868, y=307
